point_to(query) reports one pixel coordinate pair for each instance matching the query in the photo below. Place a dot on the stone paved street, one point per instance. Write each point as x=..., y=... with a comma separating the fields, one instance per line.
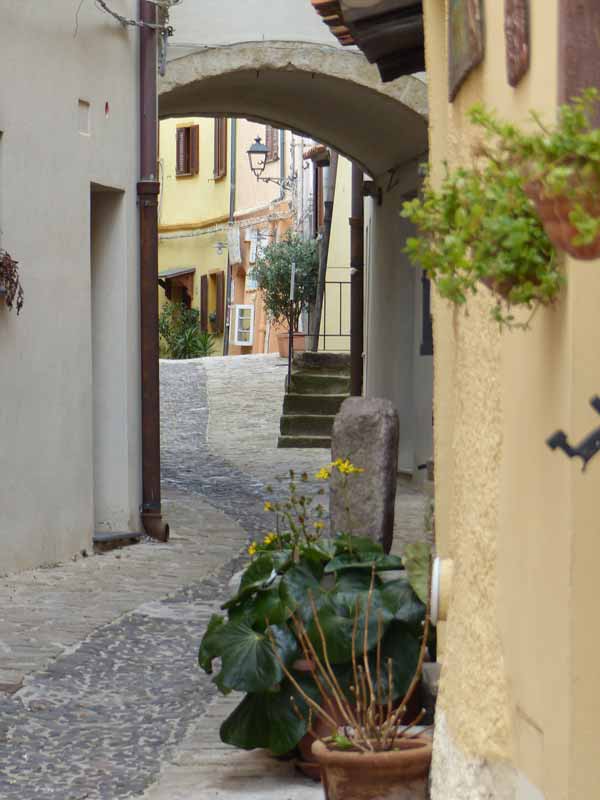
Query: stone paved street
x=100, y=696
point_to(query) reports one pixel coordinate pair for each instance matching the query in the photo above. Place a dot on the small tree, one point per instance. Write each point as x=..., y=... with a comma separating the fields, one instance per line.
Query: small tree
x=179, y=327
x=273, y=274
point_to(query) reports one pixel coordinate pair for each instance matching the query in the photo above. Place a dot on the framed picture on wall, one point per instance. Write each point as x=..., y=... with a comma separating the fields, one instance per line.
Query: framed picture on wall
x=466, y=41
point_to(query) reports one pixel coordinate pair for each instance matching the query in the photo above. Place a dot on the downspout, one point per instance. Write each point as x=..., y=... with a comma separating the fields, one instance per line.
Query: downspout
x=148, y=190
x=357, y=266
x=232, y=190
x=324, y=248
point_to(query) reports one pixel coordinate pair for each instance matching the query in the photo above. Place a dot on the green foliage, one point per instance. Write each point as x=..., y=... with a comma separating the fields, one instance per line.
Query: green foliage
x=273, y=272
x=179, y=328
x=481, y=226
x=296, y=573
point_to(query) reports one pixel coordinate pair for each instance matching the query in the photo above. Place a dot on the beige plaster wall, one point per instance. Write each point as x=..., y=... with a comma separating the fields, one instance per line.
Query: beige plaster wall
x=51, y=151
x=518, y=684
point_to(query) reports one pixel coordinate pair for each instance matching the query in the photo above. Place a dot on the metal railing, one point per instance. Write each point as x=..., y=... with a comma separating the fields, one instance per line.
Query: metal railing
x=337, y=326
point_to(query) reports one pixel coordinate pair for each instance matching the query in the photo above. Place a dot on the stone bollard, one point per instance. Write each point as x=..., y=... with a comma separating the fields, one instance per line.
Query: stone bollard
x=366, y=431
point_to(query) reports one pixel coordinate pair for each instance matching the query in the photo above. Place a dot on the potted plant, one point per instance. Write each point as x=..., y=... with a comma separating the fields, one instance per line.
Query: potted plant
x=11, y=290
x=273, y=275
x=373, y=754
x=560, y=169
x=298, y=573
x=179, y=329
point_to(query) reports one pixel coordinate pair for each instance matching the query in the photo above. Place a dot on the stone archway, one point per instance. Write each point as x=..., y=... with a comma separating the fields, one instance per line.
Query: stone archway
x=333, y=95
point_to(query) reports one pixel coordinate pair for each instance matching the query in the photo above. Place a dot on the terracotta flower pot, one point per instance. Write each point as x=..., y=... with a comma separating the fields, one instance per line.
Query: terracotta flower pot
x=283, y=340
x=396, y=775
x=554, y=214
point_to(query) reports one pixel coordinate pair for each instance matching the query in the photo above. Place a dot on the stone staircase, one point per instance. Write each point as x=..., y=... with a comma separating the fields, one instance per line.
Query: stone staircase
x=320, y=384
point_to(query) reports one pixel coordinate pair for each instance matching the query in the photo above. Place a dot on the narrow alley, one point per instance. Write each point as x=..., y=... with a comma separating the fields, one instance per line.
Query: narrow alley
x=100, y=694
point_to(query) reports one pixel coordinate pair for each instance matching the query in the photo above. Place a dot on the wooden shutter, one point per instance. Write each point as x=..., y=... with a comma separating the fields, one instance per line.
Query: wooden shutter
x=220, y=167
x=220, y=324
x=194, y=158
x=272, y=142
x=182, y=166
x=204, y=303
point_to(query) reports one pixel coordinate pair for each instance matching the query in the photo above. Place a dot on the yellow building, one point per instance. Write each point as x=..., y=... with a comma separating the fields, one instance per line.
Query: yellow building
x=194, y=213
x=215, y=217
x=519, y=696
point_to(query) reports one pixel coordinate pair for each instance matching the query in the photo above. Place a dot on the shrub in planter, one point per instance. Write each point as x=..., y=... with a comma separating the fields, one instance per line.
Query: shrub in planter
x=560, y=169
x=273, y=273
x=11, y=290
x=179, y=328
x=373, y=754
x=298, y=574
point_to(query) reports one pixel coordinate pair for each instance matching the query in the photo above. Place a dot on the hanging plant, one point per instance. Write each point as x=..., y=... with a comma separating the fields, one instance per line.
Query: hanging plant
x=560, y=169
x=10, y=285
x=499, y=220
x=480, y=227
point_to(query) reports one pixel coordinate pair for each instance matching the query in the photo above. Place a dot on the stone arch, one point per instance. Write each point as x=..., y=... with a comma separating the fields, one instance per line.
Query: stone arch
x=331, y=94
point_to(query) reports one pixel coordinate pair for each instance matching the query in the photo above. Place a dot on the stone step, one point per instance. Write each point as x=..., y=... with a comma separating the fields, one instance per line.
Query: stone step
x=328, y=362
x=317, y=383
x=313, y=403
x=305, y=441
x=306, y=424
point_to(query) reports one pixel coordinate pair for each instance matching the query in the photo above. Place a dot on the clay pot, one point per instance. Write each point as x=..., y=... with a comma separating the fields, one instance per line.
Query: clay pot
x=554, y=214
x=283, y=340
x=395, y=775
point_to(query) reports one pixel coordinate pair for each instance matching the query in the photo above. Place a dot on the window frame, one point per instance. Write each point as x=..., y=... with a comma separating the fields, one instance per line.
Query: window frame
x=187, y=150
x=236, y=318
x=220, y=148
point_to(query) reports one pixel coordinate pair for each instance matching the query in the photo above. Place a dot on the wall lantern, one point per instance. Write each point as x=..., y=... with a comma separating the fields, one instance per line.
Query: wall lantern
x=257, y=156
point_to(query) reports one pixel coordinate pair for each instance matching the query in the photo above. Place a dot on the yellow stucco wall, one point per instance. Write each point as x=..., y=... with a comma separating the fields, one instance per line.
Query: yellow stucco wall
x=193, y=211
x=520, y=651
x=338, y=265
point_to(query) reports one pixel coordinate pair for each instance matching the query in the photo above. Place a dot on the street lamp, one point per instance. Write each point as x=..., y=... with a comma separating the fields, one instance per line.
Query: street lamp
x=257, y=156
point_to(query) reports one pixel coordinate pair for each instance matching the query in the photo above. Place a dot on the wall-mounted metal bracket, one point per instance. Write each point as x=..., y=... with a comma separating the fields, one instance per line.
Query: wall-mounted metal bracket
x=586, y=449
x=370, y=189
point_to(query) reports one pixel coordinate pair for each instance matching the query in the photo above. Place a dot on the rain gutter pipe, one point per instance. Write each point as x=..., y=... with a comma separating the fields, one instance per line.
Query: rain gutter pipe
x=148, y=189
x=232, y=189
x=357, y=265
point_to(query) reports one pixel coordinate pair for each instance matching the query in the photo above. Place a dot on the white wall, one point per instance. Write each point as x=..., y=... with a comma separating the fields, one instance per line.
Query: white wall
x=48, y=164
x=394, y=368
x=210, y=22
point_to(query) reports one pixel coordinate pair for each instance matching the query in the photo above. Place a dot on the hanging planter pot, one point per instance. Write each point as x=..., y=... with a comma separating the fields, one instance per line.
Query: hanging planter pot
x=555, y=213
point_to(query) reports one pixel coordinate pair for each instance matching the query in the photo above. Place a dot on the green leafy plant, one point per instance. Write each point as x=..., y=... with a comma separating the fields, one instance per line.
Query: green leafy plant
x=366, y=717
x=298, y=575
x=179, y=328
x=273, y=273
x=559, y=165
x=10, y=284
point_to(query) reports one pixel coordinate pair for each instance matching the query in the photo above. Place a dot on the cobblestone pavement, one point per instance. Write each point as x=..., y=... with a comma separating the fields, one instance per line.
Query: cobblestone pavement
x=98, y=682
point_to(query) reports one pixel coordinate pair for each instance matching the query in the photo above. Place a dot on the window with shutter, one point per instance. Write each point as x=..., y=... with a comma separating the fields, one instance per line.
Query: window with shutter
x=272, y=142
x=220, y=323
x=220, y=167
x=204, y=303
x=187, y=160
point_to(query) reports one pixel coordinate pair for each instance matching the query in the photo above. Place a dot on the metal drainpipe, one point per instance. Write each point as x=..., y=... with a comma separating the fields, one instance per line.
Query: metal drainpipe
x=357, y=227
x=232, y=188
x=148, y=190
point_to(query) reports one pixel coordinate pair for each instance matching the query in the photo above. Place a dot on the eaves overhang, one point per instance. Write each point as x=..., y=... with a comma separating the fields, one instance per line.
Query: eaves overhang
x=389, y=32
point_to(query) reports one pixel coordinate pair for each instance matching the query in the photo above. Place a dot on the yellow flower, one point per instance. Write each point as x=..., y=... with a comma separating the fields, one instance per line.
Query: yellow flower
x=269, y=506
x=270, y=538
x=252, y=549
x=319, y=525
x=346, y=467
x=323, y=474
